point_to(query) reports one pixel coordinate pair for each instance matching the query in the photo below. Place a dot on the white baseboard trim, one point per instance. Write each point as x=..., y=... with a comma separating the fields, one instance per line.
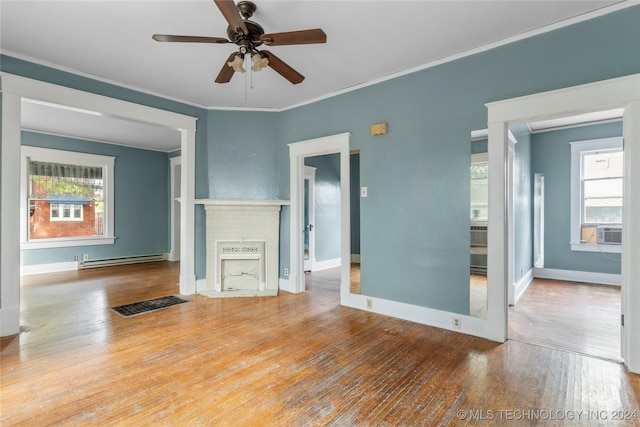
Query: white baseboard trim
x=9, y=321
x=201, y=284
x=521, y=285
x=55, y=267
x=286, y=285
x=633, y=358
x=578, y=276
x=327, y=264
x=484, y=328
x=355, y=258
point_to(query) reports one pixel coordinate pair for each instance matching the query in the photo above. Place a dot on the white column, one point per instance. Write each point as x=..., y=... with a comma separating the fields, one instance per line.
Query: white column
x=187, y=212
x=10, y=216
x=497, y=236
x=631, y=238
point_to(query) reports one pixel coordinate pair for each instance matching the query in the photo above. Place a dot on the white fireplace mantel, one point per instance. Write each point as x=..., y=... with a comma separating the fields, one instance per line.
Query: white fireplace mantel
x=242, y=244
x=242, y=202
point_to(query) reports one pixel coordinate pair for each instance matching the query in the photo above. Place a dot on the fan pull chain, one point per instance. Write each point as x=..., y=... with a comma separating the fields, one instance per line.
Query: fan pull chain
x=246, y=79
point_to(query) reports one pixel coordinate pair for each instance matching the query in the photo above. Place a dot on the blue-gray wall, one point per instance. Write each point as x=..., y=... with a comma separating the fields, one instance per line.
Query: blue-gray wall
x=140, y=201
x=414, y=222
x=551, y=156
x=327, y=206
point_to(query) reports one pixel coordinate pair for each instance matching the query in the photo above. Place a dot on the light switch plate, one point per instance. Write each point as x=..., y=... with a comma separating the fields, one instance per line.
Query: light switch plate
x=363, y=191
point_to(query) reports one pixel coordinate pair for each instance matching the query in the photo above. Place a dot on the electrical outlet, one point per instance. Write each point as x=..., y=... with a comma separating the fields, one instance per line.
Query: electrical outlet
x=75, y=258
x=85, y=257
x=457, y=323
x=286, y=271
x=369, y=303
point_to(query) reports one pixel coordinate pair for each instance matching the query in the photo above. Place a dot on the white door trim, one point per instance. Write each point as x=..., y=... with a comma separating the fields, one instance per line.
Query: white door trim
x=14, y=88
x=174, y=252
x=615, y=93
x=297, y=152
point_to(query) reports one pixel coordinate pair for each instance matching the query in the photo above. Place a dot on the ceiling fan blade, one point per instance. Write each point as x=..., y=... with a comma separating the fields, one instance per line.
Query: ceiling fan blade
x=295, y=37
x=188, y=39
x=282, y=68
x=225, y=74
x=232, y=15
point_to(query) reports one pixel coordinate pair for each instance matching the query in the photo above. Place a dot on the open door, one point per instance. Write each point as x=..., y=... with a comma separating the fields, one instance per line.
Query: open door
x=309, y=217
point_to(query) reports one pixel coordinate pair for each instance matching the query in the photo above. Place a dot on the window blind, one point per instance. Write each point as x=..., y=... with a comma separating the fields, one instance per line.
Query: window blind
x=58, y=182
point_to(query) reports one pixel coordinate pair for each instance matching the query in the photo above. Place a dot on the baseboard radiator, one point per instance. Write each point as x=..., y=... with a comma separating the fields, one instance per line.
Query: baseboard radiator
x=479, y=269
x=479, y=249
x=121, y=261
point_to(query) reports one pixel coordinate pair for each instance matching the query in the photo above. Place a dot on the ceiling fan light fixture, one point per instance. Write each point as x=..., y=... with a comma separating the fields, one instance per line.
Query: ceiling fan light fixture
x=259, y=62
x=237, y=63
x=248, y=36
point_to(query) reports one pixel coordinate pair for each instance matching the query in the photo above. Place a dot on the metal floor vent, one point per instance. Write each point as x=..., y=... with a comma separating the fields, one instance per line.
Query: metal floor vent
x=128, y=310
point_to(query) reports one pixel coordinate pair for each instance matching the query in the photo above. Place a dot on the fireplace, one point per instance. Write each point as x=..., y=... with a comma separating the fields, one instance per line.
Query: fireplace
x=240, y=266
x=242, y=242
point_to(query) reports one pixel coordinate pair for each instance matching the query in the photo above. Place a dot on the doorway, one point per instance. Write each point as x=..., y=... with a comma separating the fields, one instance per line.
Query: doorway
x=322, y=216
x=309, y=218
x=175, y=165
x=563, y=300
x=298, y=152
x=615, y=93
x=14, y=89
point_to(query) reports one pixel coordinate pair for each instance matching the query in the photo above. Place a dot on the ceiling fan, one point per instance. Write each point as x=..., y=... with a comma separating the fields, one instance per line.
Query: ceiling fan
x=249, y=35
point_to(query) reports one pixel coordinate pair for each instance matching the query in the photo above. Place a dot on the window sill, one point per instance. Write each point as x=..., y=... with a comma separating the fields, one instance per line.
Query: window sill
x=589, y=247
x=67, y=242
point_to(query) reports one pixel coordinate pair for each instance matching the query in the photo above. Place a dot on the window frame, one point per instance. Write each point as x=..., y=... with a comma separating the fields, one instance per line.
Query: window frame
x=69, y=157
x=60, y=217
x=578, y=149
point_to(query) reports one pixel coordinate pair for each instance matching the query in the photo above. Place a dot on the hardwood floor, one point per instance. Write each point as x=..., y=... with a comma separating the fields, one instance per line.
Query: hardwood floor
x=291, y=360
x=327, y=282
x=478, y=296
x=579, y=317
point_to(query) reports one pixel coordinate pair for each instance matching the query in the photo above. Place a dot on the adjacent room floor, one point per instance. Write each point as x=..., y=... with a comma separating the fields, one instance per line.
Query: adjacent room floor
x=327, y=282
x=293, y=359
x=580, y=317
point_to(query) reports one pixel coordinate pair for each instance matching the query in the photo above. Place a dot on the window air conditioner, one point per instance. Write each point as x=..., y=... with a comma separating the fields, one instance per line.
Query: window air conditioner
x=610, y=234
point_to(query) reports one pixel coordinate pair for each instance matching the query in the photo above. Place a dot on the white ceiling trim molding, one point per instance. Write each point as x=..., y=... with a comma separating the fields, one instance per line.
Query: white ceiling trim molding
x=560, y=24
x=100, y=104
x=97, y=78
x=100, y=141
x=545, y=29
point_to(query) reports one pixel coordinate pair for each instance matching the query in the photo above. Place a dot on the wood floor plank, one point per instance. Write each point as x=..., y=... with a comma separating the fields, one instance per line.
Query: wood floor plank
x=579, y=317
x=291, y=360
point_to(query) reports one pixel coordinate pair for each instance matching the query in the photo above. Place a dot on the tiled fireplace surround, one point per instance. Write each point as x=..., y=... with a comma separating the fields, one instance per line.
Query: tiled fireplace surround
x=242, y=243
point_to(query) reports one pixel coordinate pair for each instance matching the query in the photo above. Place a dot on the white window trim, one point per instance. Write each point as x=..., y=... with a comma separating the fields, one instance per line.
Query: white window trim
x=70, y=157
x=577, y=147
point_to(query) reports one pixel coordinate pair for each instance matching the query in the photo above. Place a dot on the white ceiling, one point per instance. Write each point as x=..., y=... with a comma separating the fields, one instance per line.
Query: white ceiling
x=367, y=41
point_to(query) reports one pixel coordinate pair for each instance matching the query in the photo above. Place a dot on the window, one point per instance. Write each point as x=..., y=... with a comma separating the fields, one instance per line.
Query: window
x=67, y=212
x=70, y=198
x=479, y=188
x=596, y=191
